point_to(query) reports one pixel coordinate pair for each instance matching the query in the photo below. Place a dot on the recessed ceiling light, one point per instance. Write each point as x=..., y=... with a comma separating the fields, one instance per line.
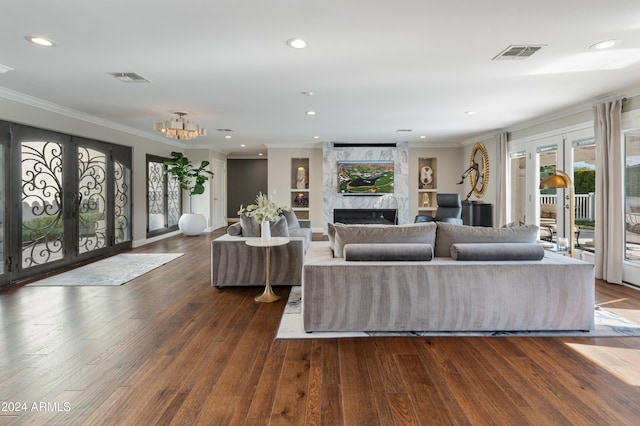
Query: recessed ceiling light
x=297, y=43
x=604, y=44
x=41, y=41
x=260, y=154
x=470, y=112
x=316, y=137
x=423, y=137
x=311, y=113
x=228, y=137
x=242, y=145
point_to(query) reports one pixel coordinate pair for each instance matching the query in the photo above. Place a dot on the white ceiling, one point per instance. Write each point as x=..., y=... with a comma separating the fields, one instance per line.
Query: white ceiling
x=374, y=66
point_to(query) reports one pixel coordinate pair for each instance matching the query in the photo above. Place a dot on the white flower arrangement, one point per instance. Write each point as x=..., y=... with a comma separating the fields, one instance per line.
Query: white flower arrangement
x=264, y=209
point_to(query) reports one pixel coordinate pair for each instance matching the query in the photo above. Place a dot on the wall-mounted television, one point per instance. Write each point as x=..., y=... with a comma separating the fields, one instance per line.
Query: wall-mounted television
x=365, y=177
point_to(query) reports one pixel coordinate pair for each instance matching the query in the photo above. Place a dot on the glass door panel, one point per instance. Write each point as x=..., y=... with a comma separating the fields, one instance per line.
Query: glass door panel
x=632, y=200
x=518, y=170
x=42, y=210
x=91, y=199
x=3, y=201
x=174, y=204
x=584, y=181
x=547, y=160
x=155, y=195
x=122, y=202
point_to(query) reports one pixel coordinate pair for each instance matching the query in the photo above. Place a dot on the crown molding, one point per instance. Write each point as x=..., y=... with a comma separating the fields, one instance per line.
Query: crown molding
x=32, y=101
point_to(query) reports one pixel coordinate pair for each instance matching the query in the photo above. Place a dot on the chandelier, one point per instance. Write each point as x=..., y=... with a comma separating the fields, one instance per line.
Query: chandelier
x=180, y=128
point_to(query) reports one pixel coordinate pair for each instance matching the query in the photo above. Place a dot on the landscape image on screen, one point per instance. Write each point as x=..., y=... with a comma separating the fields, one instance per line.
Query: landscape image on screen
x=365, y=177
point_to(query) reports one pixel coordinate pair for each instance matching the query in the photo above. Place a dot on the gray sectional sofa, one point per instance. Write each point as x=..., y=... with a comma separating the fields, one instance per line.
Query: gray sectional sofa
x=234, y=263
x=442, y=277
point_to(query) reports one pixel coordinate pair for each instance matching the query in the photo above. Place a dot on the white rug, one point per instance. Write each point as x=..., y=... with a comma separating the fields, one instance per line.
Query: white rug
x=114, y=270
x=607, y=324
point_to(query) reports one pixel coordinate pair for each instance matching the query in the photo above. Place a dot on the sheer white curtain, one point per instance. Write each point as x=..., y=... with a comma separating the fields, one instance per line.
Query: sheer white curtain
x=502, y=154
x=609, y=235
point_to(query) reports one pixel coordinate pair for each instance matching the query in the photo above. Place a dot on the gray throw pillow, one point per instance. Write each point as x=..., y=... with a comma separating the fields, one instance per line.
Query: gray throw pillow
x=280, y=228
x=235, y=229
x=250, y=226
x=449, y=234
x=331, y=233
x=292, y=219
x=497, y=251
x=398, y=252
x=424, y=233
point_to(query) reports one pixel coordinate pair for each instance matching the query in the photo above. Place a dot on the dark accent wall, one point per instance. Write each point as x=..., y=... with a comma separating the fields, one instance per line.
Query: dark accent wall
x=245, y=178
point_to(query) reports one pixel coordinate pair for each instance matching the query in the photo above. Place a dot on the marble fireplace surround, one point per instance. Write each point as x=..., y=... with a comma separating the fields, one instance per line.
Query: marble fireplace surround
x=332, y=199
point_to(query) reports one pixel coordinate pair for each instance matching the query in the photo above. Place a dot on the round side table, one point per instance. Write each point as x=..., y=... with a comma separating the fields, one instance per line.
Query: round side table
x=268, y=295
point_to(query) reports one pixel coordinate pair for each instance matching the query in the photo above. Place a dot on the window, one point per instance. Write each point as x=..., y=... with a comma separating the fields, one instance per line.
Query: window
x=164, y=198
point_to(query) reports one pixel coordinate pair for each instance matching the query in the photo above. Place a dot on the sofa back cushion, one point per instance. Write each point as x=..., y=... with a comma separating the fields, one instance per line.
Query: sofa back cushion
x=424, y=233
x=292, y=219
x=251, y=228
x=449, y=234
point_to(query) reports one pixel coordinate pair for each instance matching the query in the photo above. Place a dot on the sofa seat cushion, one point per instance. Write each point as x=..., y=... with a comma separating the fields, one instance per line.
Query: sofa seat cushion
x=423, y=233
x=388, y=252
x=449, y=234
x=497, y=251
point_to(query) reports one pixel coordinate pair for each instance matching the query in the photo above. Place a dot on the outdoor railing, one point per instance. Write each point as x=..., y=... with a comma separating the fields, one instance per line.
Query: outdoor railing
x=584, y=204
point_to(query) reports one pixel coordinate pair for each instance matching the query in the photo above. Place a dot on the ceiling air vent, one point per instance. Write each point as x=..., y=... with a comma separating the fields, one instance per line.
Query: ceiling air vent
x=518, y=52
x=129, y=77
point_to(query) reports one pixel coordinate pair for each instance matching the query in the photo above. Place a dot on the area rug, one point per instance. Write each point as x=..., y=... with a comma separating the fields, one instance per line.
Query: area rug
x=607, y=324
x=114, y=270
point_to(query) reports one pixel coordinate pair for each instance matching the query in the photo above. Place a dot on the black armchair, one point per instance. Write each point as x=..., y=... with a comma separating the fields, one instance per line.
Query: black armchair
x=449, y=210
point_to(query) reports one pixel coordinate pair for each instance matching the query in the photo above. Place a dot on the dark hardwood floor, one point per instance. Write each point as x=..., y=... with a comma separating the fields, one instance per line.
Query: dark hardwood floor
x=167, y=348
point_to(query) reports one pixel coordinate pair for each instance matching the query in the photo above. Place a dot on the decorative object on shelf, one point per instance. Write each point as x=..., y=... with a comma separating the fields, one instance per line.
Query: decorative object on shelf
x=265, y=210
x=191, y=179
x=562, y=180
x=425, y=199
x=180, y=128
x=301, y=200
x=426, y=177
x=301, y=178
x=478, y=171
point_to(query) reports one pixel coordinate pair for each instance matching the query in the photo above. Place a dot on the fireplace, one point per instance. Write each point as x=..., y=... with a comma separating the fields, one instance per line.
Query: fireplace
x=379, y=216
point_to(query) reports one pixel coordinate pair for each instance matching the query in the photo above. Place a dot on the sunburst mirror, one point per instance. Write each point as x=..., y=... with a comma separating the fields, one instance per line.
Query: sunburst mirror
x=480, y=173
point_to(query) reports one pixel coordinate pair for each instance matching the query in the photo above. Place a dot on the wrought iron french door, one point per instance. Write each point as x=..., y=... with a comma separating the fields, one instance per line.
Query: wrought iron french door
x=69, y=200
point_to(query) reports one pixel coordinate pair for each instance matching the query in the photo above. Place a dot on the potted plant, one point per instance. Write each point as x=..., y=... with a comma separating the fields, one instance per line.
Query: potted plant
x=265, y=210
x=191, y=179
